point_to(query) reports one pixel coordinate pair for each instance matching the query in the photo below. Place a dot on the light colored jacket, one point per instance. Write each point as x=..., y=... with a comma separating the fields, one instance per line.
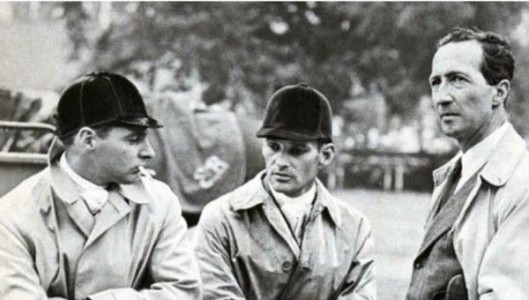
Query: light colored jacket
x=491, y=234
x=136, y=249
x=247, y=251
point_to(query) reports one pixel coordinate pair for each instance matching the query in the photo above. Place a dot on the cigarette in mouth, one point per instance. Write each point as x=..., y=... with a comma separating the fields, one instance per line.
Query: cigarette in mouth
x=144, y=170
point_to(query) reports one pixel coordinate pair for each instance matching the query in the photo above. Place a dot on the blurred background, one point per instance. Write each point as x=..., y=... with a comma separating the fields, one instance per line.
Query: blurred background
x=372, y=60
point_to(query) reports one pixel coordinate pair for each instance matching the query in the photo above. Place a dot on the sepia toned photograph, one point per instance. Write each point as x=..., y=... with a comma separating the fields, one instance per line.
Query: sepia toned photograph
x=264, y=150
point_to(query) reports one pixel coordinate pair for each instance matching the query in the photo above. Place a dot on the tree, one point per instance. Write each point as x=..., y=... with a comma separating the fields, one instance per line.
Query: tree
x=249, y=49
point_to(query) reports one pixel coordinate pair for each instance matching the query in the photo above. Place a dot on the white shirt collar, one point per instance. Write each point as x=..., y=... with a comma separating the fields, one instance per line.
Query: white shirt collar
x=295, y=209
x=95, y=196
x=475, y=157
x=295, y=205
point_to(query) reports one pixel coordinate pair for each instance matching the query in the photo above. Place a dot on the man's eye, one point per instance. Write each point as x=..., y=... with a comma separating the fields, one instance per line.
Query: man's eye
x=136, y=139
x=457, y=78
x=273, y=146
x=296, y=151
x=434, y=82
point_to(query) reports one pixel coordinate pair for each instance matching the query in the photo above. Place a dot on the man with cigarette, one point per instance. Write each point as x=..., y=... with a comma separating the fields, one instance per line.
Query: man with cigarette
x=93, y=224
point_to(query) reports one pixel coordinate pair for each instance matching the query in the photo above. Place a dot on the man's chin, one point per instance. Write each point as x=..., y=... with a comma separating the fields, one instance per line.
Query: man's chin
x=287, y=190
x=281, y=187
x=130, y=179
x=450, y=131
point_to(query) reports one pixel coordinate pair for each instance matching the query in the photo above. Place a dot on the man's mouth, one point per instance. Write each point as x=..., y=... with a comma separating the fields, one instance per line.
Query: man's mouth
x=448, y=115
x=281, y=176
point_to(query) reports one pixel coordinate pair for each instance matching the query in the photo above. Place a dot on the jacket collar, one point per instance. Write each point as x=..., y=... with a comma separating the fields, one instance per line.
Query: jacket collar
x=327, y=201
x=254, y=193
x=505, y=158
x=501, y=163
x=41, y=192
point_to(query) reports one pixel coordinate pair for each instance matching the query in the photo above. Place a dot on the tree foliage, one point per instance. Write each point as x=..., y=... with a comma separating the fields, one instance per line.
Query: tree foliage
x=248, y=49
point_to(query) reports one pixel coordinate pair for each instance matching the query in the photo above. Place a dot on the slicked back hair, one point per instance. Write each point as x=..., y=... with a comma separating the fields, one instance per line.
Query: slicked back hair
x=498, y=60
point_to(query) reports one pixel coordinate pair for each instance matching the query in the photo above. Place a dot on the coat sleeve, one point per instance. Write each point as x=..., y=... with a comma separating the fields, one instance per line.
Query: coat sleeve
x=360, y=281
x=18, y=277
x=173, y=266
x=504, y=268
x=212, y=250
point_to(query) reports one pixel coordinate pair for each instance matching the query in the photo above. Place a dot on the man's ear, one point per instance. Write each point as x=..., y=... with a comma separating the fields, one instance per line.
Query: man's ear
x=86, y=138
x=501, y=92
x=326, y=156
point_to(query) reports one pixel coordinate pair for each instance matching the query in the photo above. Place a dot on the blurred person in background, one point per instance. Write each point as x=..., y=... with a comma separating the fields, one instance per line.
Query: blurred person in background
x=476, y=240
x=93, y=224
x=282, y=235
x=204, y=150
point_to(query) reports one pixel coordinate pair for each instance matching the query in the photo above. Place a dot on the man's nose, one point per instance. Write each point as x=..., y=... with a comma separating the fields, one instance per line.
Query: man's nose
x=442, y=95
x=146, y=151
x=281, y=159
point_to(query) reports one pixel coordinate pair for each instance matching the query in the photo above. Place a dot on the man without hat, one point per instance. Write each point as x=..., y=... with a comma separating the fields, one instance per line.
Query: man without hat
x=282, y=235
x=93, y=224
x=477, y=236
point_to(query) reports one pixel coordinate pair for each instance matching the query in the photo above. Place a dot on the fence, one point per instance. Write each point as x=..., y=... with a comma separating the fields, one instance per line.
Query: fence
x=385, y=170
x=17, y=166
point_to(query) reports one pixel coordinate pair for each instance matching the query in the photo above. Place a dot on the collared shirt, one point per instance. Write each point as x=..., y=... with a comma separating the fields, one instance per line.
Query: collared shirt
x=295, y=209
x=246, y=250
x=95, y=196
x=475, y=157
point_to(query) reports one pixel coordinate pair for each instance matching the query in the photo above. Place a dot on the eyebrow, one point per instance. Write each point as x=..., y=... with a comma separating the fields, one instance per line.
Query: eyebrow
x=449, y=74
x=137, y=133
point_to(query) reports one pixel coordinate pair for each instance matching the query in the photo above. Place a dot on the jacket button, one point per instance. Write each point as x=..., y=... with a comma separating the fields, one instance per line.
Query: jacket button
x=286, y=266
x=418, y=265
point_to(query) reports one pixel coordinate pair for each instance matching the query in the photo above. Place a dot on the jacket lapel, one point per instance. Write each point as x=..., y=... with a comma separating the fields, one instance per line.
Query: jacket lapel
x=440, y=179
x=67, y=192
x=442, y=218
x=441, y=223
x=81, y=216
x=255, y=193
x=278, y=222
x=115, y=209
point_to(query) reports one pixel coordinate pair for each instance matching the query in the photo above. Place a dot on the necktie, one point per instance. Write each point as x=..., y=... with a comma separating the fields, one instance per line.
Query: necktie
x=451, y=184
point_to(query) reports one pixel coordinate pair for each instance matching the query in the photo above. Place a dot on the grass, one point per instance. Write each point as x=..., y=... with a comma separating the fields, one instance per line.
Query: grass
x=397, y=221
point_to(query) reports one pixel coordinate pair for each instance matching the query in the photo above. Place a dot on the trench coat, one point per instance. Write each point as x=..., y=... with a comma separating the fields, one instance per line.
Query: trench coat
x=246, y=250
x=491, y=234
x=136, y=249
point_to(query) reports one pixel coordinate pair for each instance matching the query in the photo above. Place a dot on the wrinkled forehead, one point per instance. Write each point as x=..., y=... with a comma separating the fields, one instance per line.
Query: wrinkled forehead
x=463, y=56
